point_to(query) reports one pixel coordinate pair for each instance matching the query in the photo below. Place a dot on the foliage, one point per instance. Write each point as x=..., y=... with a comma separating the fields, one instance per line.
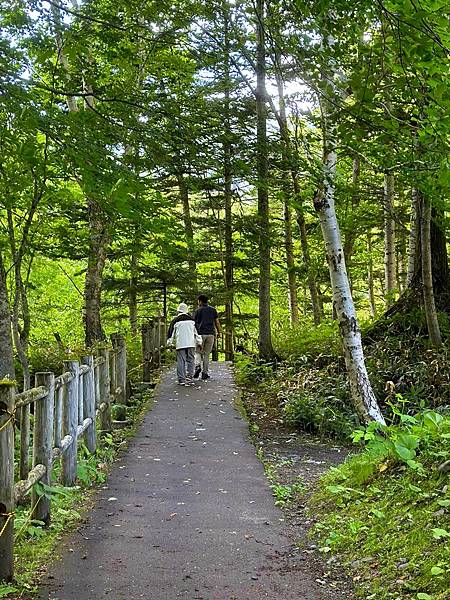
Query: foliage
x=386, y=509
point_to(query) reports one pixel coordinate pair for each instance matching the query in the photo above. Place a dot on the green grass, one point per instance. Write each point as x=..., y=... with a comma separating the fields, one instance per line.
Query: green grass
x=390, y=524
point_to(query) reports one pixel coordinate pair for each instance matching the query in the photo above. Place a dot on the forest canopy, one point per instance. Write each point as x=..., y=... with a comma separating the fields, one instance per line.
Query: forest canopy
x=288, y=159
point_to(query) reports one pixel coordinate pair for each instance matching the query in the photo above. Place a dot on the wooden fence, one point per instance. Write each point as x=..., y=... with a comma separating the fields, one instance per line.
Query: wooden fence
x=154, y=334
x=65, y=408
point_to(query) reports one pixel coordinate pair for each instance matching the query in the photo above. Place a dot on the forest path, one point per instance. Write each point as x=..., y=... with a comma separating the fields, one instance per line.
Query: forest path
x=186, y=513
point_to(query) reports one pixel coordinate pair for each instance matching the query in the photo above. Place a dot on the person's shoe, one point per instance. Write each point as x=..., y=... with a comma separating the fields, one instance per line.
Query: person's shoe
x=205, y=376
x=197, y=372
x=181, y=383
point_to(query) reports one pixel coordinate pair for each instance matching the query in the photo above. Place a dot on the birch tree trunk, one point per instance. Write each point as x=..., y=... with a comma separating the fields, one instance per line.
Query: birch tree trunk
x=427, y=276
x=265, y=339
x=361, y=390
x=389, y=239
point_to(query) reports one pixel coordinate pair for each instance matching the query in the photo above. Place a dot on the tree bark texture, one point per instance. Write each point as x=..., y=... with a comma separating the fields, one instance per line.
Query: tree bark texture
x=98, y=245
x=287, y=212
x=189, y=231
x=427, y=276
x=414, y=237
x=370, y=279
x=132, y=296
x=362, y=393
x=389, y=239
x=265, y=339
x=6, y=348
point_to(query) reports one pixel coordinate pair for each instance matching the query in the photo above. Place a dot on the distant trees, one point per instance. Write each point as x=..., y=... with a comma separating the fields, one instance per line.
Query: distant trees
x=207, y=146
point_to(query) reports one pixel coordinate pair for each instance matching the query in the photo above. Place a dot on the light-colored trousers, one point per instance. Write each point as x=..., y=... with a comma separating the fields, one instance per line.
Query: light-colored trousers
x=202, y=356
x=185, y=363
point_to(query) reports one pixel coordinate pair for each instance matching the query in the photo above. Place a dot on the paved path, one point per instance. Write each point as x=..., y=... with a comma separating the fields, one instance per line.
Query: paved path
x=193, y=515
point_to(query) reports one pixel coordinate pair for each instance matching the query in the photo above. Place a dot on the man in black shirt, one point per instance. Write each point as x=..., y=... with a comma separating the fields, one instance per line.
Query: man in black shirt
x=207, y=324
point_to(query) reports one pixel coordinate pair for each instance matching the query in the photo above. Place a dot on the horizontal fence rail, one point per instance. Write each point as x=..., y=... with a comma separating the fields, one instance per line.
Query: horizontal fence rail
x=73, y=405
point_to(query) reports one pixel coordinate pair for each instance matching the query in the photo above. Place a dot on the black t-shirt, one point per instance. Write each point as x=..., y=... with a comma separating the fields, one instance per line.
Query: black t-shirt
x=204, y=319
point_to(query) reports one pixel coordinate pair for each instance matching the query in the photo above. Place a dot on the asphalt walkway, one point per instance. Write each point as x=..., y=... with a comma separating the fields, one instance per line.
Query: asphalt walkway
x=187, y=512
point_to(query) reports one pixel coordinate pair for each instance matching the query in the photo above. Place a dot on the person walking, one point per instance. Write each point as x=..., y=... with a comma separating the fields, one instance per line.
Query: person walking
x=183, y=335
x=207, y=323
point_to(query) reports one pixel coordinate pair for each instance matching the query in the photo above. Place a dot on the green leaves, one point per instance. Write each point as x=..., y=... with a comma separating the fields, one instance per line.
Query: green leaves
x=439, y=534
x=405, y=446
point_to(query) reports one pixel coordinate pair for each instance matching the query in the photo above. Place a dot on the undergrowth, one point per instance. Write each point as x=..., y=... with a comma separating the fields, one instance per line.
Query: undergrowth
x=309, y=386
x=386, y=511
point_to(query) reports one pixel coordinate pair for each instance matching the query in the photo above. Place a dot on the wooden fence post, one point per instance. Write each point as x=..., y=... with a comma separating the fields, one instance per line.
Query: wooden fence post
x=154, y=342
x=90, y=436
x=105, y=414
x=69, y=457
x=112, y=374
x=43, y=444
x=146, y=351
x=58, y=416
x=158, y=335
x=97, y=385
x=80, y=403
x=24, y=467
x=118, y=342
x=6, y=479
x=215, y=350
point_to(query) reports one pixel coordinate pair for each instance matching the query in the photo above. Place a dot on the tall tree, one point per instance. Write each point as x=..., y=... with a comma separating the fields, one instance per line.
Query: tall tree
x=265, y=337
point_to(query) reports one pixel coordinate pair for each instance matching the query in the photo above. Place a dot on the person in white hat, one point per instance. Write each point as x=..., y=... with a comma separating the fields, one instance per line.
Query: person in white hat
x=183, y=335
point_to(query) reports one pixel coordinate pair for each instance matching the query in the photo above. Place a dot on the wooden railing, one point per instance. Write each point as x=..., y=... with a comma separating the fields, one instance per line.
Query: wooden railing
x=154, y=338
x=65, y=408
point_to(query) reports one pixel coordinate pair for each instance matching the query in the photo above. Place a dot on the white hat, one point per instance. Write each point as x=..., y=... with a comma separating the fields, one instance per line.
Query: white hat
x=183, y=308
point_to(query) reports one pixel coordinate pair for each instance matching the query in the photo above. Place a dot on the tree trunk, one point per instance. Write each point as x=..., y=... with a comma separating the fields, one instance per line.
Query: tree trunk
x=427, y=276
x=228, y=196
x=414, y=237
x=389, y=239
x=312, y=285
x=351, y=235
x=98, y=228
x=361, y=390
x=189, y=231
x=290, y=263
x=373, y=309
x=288, y=165
x=132, y=296
x=265, y=338
x=287, y=213
x=98, y=245
x=7, y=370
